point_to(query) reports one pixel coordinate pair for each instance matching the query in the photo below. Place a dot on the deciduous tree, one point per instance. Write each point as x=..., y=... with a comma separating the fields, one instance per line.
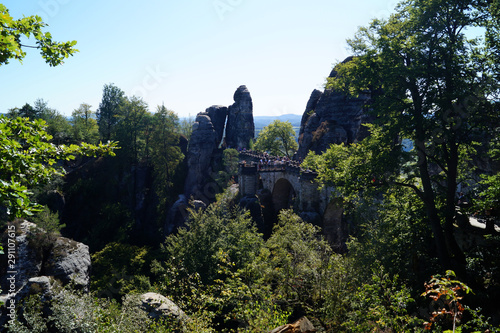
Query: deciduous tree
x=84, y=124
x=29, y=160
x=278, y=138
x=13, y=31
x=165, y=154
x=109, y=108
x=431, y=84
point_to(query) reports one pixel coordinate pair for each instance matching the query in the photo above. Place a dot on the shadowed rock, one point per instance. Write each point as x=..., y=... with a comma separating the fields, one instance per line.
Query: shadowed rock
x=331, y=117
x=218, y=115
x=240, y=127
x=202, y=145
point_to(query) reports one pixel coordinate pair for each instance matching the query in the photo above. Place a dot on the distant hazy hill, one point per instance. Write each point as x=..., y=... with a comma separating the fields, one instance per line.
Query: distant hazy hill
x=262, y=121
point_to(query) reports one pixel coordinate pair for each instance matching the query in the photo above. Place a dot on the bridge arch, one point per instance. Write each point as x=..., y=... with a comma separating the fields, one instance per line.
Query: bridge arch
x=283, y=195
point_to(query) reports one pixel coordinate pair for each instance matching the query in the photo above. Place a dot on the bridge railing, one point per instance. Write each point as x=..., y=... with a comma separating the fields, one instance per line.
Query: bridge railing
x=267, y=163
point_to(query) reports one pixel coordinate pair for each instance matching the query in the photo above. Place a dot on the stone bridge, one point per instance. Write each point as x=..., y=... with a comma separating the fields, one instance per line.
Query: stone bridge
x=290, y=186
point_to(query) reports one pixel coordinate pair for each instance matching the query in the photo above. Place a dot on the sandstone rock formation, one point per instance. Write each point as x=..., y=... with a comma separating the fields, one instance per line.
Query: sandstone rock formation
x=202, y=145
x=204, y=155
x=158, y=306
x=218, y=115
x=331, y=117
x=240, y=128
x=69, y=262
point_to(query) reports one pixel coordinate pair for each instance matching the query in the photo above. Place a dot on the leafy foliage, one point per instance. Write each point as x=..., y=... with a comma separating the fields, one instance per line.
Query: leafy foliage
x=28, y=160
x=12, y=30
x=293, y=261
x=392, y=233
x=381, y=305
x=277, y=138
x=431, y=85
x=107, y=113
x=84, y=124
x=445, y=292
x=48, y=227
x=72, y=311
x=219, y=228
x=229, y=172
x=118, y=268
x=165, y=154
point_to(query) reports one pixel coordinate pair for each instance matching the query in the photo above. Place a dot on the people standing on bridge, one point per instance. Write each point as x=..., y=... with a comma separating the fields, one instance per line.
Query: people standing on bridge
x=462, y=200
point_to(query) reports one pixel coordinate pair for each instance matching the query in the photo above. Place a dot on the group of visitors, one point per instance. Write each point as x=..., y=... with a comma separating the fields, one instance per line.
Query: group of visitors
x=264, y=161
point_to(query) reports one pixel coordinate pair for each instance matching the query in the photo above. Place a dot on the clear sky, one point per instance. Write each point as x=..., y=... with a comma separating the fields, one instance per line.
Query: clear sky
x=187, y=54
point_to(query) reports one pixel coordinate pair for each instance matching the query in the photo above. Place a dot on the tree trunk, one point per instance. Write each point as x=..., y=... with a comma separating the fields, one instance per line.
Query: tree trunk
x=457, y=255
x=428, y=192
x=431, y=209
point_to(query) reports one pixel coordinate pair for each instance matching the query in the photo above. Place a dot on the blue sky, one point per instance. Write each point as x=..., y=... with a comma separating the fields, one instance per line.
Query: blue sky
x=188, y=55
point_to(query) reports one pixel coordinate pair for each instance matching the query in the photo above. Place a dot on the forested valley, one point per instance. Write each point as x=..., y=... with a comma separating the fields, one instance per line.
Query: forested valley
x=109, y=176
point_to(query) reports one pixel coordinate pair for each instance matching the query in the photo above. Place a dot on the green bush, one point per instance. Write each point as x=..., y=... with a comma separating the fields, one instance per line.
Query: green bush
x=218, y=228
x=119, y=269
x=382, y=305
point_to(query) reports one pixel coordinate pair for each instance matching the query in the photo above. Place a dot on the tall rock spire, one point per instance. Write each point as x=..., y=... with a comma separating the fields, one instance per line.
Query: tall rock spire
x=240, y=128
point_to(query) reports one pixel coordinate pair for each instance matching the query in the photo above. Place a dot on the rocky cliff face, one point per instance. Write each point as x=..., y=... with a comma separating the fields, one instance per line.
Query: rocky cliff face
x=204, y=155
x=218, y=116
x=57, y=259
x=331, y=117
x=240, y=127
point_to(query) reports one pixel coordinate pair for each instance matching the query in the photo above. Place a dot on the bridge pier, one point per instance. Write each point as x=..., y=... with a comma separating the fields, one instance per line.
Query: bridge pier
x=248, y=180
x=309, y=194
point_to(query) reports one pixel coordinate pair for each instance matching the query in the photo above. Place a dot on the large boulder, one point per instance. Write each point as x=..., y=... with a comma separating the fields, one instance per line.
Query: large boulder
x=42, y=261
x=39, y=254
x=218, y=115
x=240, y=127
x=160, y=307
x=69, y=262
x=303, y=325
x=27, y=263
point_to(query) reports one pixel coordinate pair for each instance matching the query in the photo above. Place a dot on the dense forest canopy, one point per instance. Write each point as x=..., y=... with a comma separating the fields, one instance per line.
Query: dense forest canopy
x=411, y=265
x=434, y=85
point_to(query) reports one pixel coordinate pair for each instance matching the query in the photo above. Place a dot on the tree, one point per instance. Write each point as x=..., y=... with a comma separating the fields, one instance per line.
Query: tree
x=230, y=161
x=294, y=261
x=57, y=125
x=130, y=123
x=166, y=154
x=278, y=138
x=36, y=111
x=12, y=31
x=107, y=114
x=26, y=111
x=30, y=160
x=186, y=126
x=85, y=128
x=41, y=109
x=220, y=229
x=430, y=84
